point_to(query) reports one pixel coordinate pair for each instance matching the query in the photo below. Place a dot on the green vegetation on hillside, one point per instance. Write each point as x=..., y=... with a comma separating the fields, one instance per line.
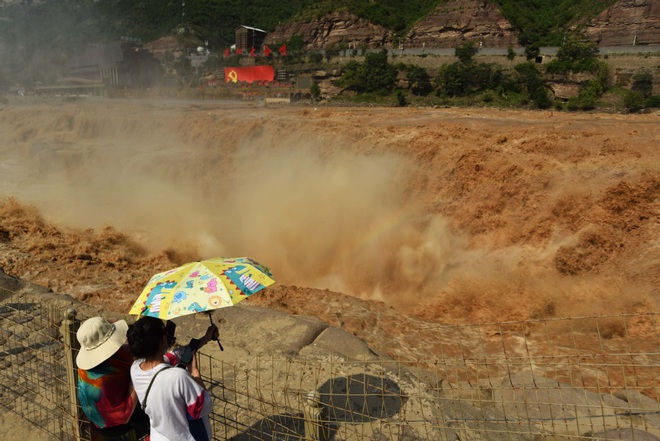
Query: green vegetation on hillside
x=468, y=82
x=544, y=22
x=395, y=15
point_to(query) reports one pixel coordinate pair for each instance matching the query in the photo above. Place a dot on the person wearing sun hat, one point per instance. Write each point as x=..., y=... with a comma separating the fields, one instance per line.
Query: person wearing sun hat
x=105, y=390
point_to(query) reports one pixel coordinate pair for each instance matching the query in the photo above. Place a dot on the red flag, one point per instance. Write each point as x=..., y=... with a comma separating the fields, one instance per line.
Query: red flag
x=282, y=50
x=239, y=51
x=253, y=53
x=267, y=51
x=226, y=52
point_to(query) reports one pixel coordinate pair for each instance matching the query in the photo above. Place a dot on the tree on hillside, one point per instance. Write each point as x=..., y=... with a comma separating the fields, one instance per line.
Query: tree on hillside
x=577, y=56
x=315, y=91
x=574, y=50
x=419, y=80
x=643, y=82
x=315, y=57
x=510, y=53
x=466, y=52
x=544, y=22
x=532, y=50
x=332, y=51
x=529, y=77
x=374, y=75
x=460, y=79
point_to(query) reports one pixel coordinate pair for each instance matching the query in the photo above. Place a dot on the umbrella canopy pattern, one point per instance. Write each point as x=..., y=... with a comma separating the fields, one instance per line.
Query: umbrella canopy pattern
x=201, y=286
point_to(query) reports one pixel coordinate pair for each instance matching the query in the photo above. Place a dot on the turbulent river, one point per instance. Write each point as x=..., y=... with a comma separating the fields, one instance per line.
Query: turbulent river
x=449, y=214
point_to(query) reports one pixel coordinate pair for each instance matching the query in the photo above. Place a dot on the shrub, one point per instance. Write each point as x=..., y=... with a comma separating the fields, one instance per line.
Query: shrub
x=315, y=57
x=587, y=98
x=460, y=79
x=400, y=98
x=634, y=101
x=529, y=79
x=576, y=51
x=374, y=75
x=510, y=53
x=466, y=52
x=592, y=88
x=419, y=79
x=541, y=97
x=590, y=91
x=532, y=51
x=332, y=51
x=653, y=101
x=643, y=83
x=315, y=90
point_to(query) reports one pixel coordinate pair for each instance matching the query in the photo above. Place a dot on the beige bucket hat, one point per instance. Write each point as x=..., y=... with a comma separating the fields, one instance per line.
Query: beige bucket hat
x=99, y=339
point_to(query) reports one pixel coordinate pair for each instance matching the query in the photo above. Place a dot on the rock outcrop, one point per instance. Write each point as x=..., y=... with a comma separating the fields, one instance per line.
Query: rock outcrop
x=627, y=22
x=333, y=28
x=457, y=22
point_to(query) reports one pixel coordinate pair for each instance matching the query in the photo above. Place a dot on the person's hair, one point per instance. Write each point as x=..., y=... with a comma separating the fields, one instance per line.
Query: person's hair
x=170, y=330
x=145, y=336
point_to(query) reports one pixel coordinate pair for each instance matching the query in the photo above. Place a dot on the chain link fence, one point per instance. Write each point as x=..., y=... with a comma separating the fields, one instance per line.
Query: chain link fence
x=586, y=378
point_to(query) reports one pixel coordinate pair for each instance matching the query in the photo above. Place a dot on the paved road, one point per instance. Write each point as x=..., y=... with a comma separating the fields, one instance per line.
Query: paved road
x=653, y=48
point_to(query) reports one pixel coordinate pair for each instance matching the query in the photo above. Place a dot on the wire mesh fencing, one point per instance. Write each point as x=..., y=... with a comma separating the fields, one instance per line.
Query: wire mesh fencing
x=575, y=378
x=34, y=383
x=584, y=378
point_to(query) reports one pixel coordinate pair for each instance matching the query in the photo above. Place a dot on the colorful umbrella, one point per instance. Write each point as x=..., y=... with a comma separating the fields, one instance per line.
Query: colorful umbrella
x=201, y=287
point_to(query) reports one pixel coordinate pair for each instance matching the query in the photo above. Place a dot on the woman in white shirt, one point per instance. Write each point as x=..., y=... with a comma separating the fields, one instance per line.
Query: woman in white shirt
x=175, y=399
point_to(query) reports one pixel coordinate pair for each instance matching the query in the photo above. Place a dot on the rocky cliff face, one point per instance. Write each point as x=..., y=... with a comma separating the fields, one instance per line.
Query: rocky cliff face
x=480, y=21
x=627, y=22
x=453, y=23
x=460, y=21
x=333, y=28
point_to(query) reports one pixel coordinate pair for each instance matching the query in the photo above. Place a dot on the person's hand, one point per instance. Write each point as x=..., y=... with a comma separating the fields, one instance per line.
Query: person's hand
x=212, y=333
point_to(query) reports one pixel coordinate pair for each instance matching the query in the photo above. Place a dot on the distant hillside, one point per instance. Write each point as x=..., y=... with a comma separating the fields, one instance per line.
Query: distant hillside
x=38, y=36
x=495, y=23
x=542, y=22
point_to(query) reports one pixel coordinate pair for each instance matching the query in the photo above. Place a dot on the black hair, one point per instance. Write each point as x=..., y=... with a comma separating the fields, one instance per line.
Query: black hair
x=170, y=329
x=145, y=337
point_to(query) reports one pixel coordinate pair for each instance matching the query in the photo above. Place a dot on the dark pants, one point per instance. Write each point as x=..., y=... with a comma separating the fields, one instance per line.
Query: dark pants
x=135, y=429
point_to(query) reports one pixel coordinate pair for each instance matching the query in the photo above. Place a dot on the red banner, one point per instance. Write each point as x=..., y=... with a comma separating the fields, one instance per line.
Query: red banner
x=267, y=51
x=249, y=74
x=282, y=50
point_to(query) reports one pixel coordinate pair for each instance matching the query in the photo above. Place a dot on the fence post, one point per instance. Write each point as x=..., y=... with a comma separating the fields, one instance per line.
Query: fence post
x=316, y=428
x=69, y=328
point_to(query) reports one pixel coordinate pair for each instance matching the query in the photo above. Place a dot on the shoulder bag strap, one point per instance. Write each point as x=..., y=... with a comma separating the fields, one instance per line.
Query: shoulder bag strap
x=144, y=402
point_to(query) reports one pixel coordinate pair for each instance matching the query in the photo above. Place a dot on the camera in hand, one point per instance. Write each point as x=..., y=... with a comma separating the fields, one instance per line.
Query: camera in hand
x=187, y=356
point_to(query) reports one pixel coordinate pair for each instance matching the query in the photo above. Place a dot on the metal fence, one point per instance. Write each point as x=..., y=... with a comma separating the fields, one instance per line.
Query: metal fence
x=586, y=378
x=34, y=383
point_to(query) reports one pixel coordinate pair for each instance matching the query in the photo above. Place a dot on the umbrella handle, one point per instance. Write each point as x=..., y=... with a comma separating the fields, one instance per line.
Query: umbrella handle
x=216, y=339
